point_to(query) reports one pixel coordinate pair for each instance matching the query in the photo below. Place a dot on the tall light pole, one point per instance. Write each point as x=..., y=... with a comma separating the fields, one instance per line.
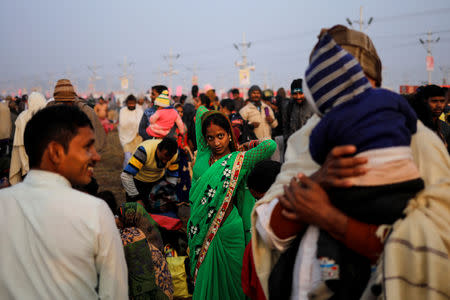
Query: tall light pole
x=94, y=77
x=125, y=79
x=360, y=21
x=243, y=65
x=445, y=71
x=430, y=59
x=51, y=83
x=170, y=58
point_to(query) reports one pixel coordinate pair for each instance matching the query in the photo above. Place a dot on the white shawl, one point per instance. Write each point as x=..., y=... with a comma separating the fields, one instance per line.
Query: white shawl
x=129, y=124
x=19, y=158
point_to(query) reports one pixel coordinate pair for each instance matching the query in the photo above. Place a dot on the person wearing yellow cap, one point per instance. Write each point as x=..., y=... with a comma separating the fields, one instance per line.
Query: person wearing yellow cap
x=165, y=117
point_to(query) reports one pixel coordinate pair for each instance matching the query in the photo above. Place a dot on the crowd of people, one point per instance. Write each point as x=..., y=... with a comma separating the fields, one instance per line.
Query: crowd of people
x=340, y=191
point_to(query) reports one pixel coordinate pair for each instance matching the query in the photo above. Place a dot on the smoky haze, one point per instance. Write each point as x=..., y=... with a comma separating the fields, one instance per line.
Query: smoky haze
x=46, y=40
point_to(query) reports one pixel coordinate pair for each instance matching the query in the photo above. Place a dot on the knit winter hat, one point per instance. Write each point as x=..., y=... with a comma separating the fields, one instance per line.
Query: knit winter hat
x=360, y=46
x=431, y=90
x=333, y=76
x=254, y=88
x=163, y=99
x=296, y=86
x=64, y=91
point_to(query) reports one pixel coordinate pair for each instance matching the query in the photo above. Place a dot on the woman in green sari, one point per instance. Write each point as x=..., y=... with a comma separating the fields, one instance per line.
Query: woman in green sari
x=219, y=226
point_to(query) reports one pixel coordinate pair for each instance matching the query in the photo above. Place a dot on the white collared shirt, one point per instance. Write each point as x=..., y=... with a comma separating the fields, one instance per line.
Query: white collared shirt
x=58, y=243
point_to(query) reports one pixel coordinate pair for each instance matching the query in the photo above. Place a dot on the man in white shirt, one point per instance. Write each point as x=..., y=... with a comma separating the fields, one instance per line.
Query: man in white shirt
x=129, y=117
x=57, y=242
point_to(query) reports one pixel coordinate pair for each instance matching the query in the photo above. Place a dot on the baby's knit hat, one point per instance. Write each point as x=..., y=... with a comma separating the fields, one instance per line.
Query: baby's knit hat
x=333, y=76
x=163, y=99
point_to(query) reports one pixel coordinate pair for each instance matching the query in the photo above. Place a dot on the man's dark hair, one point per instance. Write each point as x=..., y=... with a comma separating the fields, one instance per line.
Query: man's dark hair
x=235, y=91
x=431, y=90
x=204, y=100
x=130, y=97
x=169, y=144
x=228, y=104
x=263, y=175
x=194, y=91
x=281, y=93
x=57, y=123
x=159, y=88
x=183, y=98
x=255, y=88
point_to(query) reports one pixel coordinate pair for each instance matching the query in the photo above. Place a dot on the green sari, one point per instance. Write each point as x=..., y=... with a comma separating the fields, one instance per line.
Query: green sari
x=148, y=272
x=217, y=245
x=132, y=214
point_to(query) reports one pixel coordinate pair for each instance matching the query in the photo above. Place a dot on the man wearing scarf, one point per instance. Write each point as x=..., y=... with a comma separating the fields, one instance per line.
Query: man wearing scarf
x=259, y=114
x=297, y=112
x=435, y=99
x=405, y=272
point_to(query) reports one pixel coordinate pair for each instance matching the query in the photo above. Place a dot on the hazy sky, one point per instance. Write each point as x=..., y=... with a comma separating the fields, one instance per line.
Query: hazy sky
x=42, y=41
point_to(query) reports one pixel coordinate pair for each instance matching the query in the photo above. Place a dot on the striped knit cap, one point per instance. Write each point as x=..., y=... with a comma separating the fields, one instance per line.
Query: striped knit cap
x=334, y=76
x=64, y=91
x=163, y=99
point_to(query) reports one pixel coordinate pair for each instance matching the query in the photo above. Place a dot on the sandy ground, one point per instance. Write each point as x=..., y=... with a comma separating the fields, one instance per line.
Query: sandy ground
x=107, y=171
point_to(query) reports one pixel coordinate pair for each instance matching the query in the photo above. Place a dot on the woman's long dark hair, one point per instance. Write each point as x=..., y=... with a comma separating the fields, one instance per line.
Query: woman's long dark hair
x=219, y=119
